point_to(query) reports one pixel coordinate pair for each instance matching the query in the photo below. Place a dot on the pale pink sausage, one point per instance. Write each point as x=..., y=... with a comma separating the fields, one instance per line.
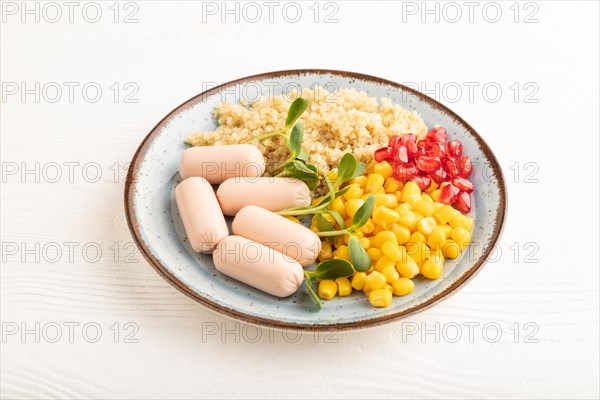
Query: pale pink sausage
x=217, y=163
x=277, y=232
x=273, y=194
x=202, y=218
x=258, y=266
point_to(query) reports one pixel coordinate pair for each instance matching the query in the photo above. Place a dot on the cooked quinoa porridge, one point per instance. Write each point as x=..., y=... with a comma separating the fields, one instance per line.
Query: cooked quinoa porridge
x=335, y=123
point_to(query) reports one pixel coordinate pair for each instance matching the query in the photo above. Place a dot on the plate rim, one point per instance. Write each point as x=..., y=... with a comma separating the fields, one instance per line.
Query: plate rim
x=135, y=230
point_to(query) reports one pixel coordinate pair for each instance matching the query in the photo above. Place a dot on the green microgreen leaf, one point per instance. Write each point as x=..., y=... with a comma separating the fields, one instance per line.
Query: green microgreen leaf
x=363, y=213
x=295, y=111
x=323, y=224
x=360, y=258
x=346, y=168
x=337, y=217
x=295, y=142
x=332, y=269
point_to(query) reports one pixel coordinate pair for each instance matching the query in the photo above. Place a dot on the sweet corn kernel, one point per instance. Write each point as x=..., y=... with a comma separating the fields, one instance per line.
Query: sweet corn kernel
x=359, y=180
x=344, y=286
x=437, y=239
x=381, y=190
x=371, y=269
x=424, y=207
x=374, y=253
x=326, y=251
x=416, y=237
x=392, y=251
x=343, y=253
x=444, y=214
x=380, y=298
x=447, y=230
x=384, y=215
x=384, y=169
x=352, y=207
x=367, y=228
x=338, y=205
x=375, y=280
x=461, y=236
x=417, y=252
x=338, y=241
x=411, y=188
x=329, y=218
x=390, y=273
x=383, y=262
x=427, y=198
x=407, y=218
x=365, y=243
x=332, y=175
x=451, y=249
x=432, y=187
x=386, y=200
x=426, y=225
x=402, y=233
x=403, y=286
x=391, y=185
x=354, y=192
x=380, y=228
x=385, y=236
x=403, y=206
x=292, y=218
x=374, y=182
x=435, y=195
x=407, y=267
x=461, y=220
x=366, y=288
x=371, y=240
x=358, y=280
x=412, y=199
x=327, y=289
x=432, y=268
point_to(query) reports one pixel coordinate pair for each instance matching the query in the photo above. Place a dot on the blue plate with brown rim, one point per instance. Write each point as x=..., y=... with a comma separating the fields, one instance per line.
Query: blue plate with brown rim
x=156, y=226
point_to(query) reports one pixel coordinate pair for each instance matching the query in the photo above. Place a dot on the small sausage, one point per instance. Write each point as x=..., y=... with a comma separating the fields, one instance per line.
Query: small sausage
x=273, y=194
x=217, y=163
x=202, y=218
x=258, y=266
x=277, y=232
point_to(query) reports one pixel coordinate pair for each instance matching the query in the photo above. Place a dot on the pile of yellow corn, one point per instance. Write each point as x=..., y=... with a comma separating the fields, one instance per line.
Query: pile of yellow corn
x=409, y=233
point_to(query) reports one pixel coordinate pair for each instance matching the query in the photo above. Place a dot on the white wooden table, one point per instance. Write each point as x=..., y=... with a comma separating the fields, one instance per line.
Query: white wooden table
x=84, y=316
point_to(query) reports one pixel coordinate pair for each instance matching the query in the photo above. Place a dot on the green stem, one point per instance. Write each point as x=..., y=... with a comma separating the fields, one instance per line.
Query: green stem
x=335, y=233
x=311, y=290
x=267, y=136
x=308, y=211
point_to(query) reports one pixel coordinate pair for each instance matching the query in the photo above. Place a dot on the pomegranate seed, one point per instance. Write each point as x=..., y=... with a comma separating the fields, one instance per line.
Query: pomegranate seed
x=449, y=194
x=436, y=135
x=454, y=148
x=383, y=154
x=428, y=164
x=465, y=167
x=394, y=141
x=438, y=176
x=437, y=150
x=463, y=203
x=424, y=182
x=404, y=172
x=409, y=141
x=400, y=154
x=463, y=184
x=450, y=167
x=423, y=144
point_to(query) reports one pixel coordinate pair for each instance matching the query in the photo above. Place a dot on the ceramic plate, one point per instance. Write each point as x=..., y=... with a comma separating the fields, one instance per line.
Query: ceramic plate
x=156, y=225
